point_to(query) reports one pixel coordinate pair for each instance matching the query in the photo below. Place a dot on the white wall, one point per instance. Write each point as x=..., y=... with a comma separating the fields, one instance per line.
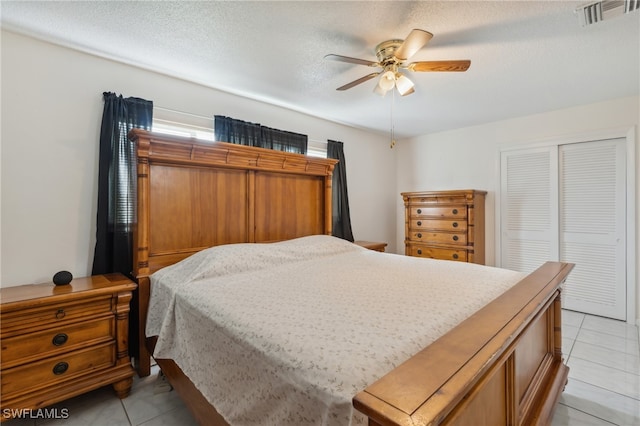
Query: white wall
x=469, y=157
x=51, y=112
x=50, y=116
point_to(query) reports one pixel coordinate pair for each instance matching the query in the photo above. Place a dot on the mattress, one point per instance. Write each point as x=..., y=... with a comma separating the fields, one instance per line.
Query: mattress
x=287, y=333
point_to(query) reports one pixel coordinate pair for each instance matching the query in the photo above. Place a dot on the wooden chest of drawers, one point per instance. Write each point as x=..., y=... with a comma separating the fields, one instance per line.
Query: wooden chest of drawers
x=445, y=225
x=60, y=341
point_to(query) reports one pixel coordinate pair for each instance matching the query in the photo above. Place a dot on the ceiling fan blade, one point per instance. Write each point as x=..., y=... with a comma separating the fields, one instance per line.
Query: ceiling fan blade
x=358, y=81
x=341, y=58
x=425, y=66
x=415, y=41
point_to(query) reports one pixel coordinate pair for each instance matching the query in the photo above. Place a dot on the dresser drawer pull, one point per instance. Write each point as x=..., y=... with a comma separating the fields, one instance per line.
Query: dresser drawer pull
x=60, y=368
x=455, y=238
x=455, y=224
x=455, y=211
x=419, y=235
x=419, y=251
x=419, y=223
x=60, y=339
x=455, y=255
x=60, y=314
x=419, y=211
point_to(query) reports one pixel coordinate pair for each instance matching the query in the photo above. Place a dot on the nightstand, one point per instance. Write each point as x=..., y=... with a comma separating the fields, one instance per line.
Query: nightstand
x=61, y=341
x=372, y=245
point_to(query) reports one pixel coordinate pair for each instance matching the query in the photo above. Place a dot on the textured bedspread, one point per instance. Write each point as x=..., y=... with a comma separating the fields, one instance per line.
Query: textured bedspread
x=287, y=333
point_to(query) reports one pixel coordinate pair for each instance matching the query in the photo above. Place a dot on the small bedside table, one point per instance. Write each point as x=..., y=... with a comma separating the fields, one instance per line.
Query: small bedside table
x=62, y=341
x=372, y=245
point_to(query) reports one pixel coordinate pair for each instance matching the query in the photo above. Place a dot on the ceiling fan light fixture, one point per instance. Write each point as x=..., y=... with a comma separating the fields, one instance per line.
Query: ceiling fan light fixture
x=404, y=85
x=387, y=81
x=379, y=91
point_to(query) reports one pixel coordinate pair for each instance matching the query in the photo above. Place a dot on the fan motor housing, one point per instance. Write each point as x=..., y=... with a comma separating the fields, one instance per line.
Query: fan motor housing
x=385, y=51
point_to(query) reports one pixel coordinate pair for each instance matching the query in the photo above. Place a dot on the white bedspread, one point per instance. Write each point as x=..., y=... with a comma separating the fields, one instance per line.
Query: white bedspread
x=287, y=333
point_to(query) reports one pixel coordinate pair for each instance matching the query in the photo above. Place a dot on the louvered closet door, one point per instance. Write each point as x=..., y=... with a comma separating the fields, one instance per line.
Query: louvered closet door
x=529, y=220
x=567, y=202
x=592, y=226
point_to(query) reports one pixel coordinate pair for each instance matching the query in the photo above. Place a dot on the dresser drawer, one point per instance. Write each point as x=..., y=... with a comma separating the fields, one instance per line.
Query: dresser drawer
x=452, y=212
x=62, y=338
x=439, y=237
x=43, y=316
x=438, y=225
x=438, y=253
x=57, y=368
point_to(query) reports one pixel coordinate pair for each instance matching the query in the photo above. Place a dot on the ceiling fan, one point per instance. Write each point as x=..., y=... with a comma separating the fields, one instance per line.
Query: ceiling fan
x=392, y=56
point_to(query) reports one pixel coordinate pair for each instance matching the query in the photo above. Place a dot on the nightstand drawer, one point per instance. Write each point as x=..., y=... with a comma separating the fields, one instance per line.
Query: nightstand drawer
x=57, y=369
x=439, y=237
x=54, y=313
x=438, y=253
x=61, y=338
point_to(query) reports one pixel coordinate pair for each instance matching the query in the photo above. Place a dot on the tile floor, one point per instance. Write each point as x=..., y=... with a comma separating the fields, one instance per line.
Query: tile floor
x=603, y=356
x=603, y=389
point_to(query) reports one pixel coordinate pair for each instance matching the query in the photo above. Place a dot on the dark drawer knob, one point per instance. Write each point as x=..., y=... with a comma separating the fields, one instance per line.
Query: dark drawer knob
x=60, y=314
x=419, y=223
x=455, y=211
x=419, y=235
x=455, y=255
x=419, y=251
x=60, y=368
x=60, y=339
x=455, y=224
x=419, y=211
x=455, y=238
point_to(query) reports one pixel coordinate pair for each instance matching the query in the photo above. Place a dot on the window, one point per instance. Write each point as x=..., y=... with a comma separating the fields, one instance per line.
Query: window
x=182, y=124
x=181, y=129
x=317, y=148
x=189, y=125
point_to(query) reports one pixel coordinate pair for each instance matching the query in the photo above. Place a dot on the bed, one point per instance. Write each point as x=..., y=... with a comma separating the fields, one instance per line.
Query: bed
x=499, y=363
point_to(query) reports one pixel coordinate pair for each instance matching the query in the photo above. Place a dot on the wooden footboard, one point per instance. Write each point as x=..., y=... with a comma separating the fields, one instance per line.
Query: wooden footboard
x=502, y=366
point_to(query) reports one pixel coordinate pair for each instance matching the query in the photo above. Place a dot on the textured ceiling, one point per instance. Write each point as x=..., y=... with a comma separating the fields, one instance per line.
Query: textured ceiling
x=526, y=57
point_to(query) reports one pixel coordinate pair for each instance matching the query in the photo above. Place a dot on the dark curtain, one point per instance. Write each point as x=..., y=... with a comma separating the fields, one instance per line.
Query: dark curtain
x=236, y=131
x=117, y=179
x=117, y=195
x=240, y=132
x=340, y=200
x=282, y=140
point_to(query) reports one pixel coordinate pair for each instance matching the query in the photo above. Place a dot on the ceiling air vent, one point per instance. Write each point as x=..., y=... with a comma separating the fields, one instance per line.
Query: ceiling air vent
x=591, y=13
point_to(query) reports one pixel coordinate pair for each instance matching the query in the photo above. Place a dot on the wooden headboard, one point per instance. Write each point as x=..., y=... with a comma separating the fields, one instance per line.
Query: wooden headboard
x=193, y=195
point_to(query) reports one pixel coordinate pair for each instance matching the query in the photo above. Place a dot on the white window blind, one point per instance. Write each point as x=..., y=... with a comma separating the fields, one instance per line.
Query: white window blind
x=178, y=123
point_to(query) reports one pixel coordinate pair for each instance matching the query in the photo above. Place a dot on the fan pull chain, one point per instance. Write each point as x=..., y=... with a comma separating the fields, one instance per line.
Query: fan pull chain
x=393, y=136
